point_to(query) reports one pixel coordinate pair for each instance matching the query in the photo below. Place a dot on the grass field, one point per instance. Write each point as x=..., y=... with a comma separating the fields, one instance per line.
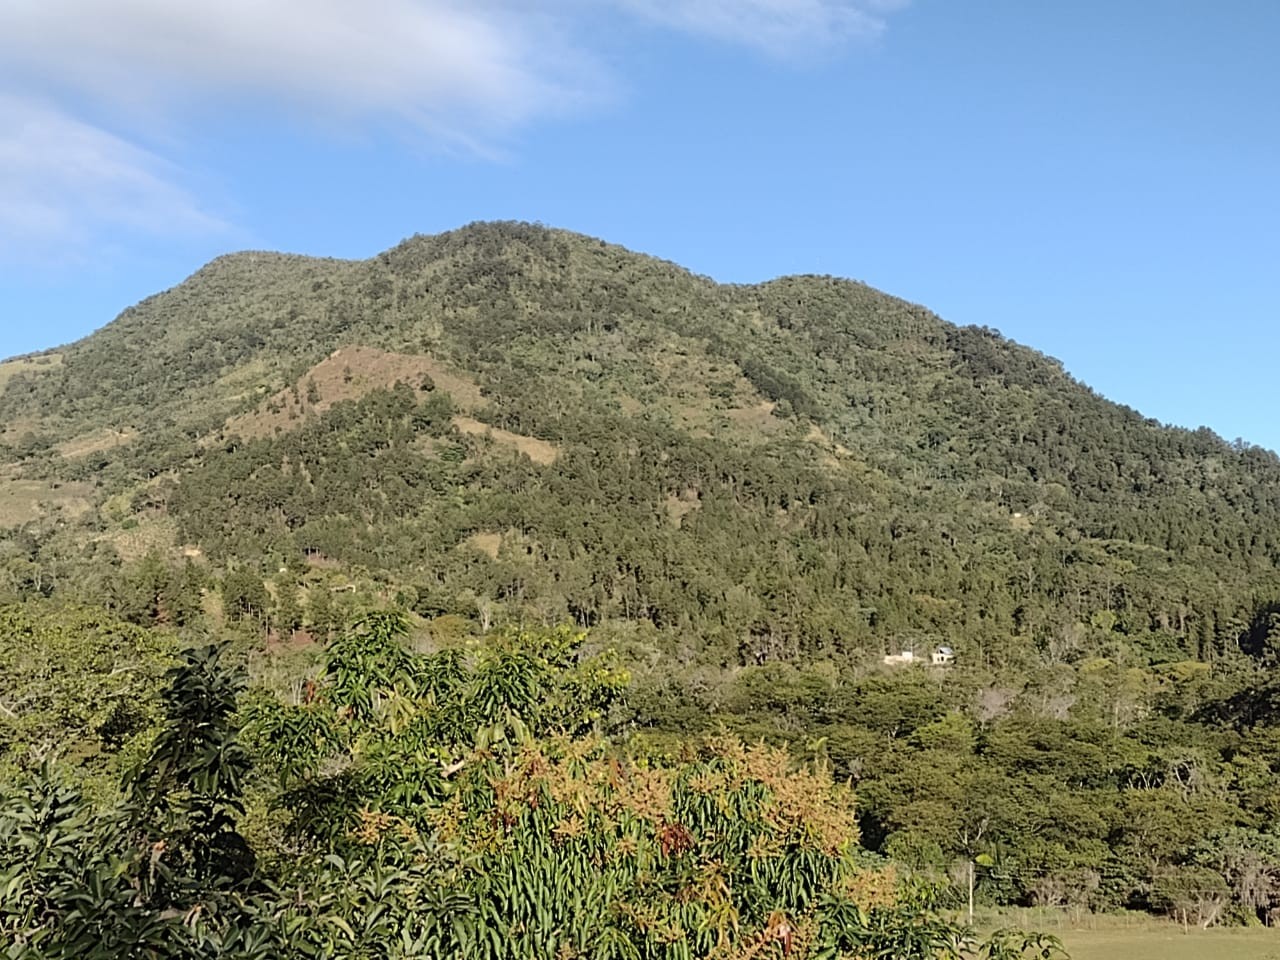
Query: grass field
x=1140, y=937
x=1171, y=943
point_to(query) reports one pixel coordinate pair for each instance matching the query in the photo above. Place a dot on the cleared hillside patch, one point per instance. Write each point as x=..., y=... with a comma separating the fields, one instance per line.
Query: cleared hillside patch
x=539, y=451
x=678, y=507
x=22, y=501
x=488, y=543
x=158, y=534
x=95, y=442
x=44, y=363
x=349, y=374
x=757, y=418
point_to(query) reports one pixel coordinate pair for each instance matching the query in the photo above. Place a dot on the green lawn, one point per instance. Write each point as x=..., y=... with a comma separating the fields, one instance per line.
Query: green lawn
x=1172, y=944
x=1135, y=936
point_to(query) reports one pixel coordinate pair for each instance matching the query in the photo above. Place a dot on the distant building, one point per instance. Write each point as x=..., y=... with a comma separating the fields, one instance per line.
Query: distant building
x=941, y=657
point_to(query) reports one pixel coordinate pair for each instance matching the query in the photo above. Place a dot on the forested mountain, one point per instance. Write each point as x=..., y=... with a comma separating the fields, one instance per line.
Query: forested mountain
x=802, y=465
x=751, y=493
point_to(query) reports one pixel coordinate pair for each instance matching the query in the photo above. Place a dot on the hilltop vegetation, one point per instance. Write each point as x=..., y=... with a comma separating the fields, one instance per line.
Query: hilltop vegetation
x=750, y=493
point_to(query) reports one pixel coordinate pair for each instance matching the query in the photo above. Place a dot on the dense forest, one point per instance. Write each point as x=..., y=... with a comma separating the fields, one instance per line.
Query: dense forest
x=740, y=499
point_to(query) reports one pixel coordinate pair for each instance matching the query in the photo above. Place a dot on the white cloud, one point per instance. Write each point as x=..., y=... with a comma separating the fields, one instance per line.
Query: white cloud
x=461, y=71
x=431, y=62
x=458, y=72
x=473, y=66
x=63, y=181
x=786, y=28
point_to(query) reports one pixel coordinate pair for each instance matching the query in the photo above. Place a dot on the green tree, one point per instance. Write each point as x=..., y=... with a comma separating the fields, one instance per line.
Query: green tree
x=288, y=609
x=245, y=597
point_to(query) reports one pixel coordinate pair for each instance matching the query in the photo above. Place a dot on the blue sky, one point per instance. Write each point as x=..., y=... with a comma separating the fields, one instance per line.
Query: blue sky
x=1098, y=179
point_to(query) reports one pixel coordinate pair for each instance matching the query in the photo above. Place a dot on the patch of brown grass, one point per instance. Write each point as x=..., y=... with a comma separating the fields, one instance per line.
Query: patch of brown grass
x=1132, y=936
x=15, y=430
x=678, y=507
x=539, y=451
x=42, y=363
x=487, y=543
x=151, y=533
x=22, y=501
x=758, y=418
x=349, y=374
x=87, y=443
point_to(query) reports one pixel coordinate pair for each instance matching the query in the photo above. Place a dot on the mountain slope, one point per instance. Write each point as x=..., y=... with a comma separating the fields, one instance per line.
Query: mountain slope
x=789, y=470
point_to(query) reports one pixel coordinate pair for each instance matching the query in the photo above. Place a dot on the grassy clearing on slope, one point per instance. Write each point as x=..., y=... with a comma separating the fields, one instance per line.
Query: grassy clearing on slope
x=349, y=374
x=95, y=442
x=22, y=501
x=539, y=451
x=158, y=534
x=43, y=363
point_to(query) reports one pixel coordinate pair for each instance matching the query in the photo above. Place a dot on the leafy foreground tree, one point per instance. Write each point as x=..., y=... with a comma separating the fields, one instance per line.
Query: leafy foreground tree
x=459, y=804
x=133, y=880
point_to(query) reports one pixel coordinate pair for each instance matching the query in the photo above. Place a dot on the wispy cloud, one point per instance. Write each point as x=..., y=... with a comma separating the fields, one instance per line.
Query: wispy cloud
x=455, y=71
x=785, y=28
x=433, y=62
x=63, y=182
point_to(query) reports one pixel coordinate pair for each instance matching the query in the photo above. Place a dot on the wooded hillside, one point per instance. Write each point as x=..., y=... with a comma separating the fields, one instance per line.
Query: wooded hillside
x=751, y=493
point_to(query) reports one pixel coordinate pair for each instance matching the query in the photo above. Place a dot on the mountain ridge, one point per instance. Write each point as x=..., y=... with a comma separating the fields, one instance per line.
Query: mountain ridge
x=411, y=248
x=854, y=438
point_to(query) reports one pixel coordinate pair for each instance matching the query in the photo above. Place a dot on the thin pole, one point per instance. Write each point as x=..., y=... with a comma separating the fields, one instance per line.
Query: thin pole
x=971, y=892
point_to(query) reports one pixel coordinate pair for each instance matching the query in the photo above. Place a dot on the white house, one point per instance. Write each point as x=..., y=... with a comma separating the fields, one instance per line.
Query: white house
x=941, y=657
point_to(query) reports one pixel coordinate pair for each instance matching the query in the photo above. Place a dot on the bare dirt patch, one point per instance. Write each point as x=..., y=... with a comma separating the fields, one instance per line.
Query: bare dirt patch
x=539, y=451
x=319, y=561
x=834, y=451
